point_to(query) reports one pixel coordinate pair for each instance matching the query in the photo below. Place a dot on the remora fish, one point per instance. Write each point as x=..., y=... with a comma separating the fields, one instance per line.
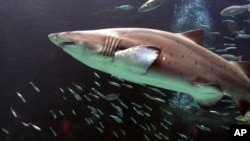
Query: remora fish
x=174, y=61
x=235, y=10
x=150, y=5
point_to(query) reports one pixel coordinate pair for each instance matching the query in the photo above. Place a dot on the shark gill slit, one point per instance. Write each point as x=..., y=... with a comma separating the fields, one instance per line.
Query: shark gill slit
x=104, y=46
x=110, y=46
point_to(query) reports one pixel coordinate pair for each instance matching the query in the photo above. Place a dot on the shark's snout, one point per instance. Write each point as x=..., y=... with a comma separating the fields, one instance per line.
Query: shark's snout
x=53, y=38
x=58, y=40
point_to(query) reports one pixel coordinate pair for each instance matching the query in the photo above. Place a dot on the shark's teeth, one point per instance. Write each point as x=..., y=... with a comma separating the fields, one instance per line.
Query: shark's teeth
x=110, y=46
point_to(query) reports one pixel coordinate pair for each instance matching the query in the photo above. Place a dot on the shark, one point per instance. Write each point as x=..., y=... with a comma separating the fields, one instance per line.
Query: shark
x=172, y=61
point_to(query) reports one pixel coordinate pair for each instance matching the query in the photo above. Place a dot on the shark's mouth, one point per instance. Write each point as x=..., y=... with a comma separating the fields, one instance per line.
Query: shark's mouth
x=67, y=44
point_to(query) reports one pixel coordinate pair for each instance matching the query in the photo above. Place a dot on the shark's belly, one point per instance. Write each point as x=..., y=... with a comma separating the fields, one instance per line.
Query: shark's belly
x=204, y=94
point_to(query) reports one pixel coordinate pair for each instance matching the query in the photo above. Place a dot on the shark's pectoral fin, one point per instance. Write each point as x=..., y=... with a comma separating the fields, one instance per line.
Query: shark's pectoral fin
x=137, y=59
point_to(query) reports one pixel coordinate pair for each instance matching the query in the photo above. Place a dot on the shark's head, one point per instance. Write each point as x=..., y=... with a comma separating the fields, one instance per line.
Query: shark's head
x=85, y=43
x=88, y=47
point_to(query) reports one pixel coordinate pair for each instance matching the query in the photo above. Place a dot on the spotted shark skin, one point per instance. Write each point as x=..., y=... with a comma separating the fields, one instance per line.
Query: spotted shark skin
x=173, y=61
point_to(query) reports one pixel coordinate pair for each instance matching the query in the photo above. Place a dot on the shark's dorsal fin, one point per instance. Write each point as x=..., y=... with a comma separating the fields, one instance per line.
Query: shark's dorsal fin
x=244, y=66
x=195, y=35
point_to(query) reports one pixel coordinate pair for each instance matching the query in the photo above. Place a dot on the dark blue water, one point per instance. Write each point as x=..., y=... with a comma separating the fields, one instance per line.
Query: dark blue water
x=27, y=55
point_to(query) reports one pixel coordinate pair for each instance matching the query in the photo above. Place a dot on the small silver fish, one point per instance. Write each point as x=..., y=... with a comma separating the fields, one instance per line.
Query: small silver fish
x=25, y=124
x=157, y=90
x=88, y=121
x=134, y=121
x=127, y=85
x=146, y=137
x=78, y=86
x=97, y=84
x=231, y=57
x=116, y=107
x=139, y=112
x=221, y=50
x=154, y=98
x=229, y=38
x=53, y=114
x=150, y=5
x=158, y=136
x=94, y=96
x=111, y=97
x=87, y=98
x=164, y=126
x=214, y=33
x=228, y=21
x=122, y=103
x=229, y=48
x=13, y=112
x=77, y=96
x=143, y=128
x=214, y=112
x=204, y=128
x=99, y=129
x=234, y=10
x=164, y=136
x=97, y=75
x=243, y=36
x=35, y=127
x=123, y=132
x=229, y=44
x=73, y=112
x=61, y=113
x=102, y=126
x=147, y=107
x=183, y=136
x=124, y=7
x=116, y=118
x=34, y=87
x=114, y=84
x=62, y=90
x=21, y=97
x=116, y=135
x=53, y=131
x=5, y=131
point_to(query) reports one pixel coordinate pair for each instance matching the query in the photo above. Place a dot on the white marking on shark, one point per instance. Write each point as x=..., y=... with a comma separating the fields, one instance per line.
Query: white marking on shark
x=173, y=61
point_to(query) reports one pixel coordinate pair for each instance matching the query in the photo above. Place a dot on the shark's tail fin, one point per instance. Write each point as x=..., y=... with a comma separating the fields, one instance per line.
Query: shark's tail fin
x=243, y=104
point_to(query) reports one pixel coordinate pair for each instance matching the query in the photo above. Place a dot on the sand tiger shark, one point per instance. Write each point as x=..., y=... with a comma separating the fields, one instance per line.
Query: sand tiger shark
x=173, y=61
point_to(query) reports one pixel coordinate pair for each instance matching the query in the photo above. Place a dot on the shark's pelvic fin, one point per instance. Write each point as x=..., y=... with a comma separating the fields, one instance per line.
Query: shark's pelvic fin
x=210, y=97
x=137, y=59
x=195, y=35
x=245, y=67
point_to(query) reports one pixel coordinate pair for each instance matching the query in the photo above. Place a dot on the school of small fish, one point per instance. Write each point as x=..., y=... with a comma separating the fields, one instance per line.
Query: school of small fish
x=101, y=109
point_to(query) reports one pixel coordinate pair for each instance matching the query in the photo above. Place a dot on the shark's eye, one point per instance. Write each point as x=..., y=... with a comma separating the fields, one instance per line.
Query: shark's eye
x=67, y=43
